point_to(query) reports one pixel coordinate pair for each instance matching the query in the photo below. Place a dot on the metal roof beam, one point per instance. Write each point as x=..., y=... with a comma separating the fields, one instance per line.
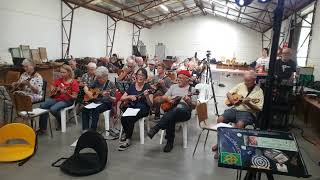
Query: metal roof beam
x=107, y=12
x=172, y=15
x=123, y=7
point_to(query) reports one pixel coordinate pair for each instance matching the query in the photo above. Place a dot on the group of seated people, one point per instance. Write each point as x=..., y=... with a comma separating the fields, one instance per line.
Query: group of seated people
x=149, y=86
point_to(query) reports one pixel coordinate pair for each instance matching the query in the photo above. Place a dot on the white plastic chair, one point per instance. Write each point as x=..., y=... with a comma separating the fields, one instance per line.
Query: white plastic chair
x=205, y=92
x=106, y=116
x=141, y=128
x=184, y=126
x=64, y=117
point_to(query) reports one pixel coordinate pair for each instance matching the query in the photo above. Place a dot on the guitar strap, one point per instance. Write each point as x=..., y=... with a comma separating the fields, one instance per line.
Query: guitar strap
x=105, y=85
x=250, y=91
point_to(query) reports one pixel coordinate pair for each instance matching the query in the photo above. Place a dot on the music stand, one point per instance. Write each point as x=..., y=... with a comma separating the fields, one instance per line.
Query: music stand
x=4, y=95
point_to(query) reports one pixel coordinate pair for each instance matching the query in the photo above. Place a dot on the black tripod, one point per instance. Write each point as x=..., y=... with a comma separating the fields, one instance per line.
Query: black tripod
x=209, y=79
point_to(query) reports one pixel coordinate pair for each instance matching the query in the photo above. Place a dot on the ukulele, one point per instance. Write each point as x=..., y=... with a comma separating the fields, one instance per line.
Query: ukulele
x=128, y=103
x=21, y=85
x=95, y=93
x=168, y=105
x=56, y=91
x=238, y=100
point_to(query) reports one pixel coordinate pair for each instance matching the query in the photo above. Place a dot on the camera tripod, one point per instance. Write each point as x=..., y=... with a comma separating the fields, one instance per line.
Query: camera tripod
x=209, y=79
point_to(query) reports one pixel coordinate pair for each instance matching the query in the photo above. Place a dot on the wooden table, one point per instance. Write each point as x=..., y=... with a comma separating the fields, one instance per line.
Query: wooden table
x=311, y=108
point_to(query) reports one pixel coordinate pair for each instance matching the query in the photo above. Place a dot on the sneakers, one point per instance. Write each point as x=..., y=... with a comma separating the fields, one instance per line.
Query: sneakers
x=114, y=133
x=123, y=138
x=168, y=147
x=124, y=145
x=153, y=131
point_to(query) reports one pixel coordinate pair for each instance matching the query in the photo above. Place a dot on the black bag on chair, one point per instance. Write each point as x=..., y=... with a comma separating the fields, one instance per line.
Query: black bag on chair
x=84, y=164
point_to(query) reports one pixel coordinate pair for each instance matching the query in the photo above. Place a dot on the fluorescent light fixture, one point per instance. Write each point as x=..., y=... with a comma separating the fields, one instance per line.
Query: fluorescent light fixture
x=264, y=1
x=164, y=7
x=242, y=3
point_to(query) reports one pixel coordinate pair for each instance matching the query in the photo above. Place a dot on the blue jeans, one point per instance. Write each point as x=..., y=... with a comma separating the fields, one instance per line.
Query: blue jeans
x=54, y=107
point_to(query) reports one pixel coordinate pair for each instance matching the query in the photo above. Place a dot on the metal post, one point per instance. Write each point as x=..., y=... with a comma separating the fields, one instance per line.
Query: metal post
x=278, y=14
x=311, y=30
x=111, y=31
x=66, y=29
x=136, y=30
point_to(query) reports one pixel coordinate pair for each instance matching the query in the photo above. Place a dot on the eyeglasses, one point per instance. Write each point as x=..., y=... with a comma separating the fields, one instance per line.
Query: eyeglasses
x=141, y=75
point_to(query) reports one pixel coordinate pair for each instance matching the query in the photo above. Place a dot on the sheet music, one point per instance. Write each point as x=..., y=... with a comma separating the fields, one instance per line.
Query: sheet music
x=35, y=111
x=92, y=106
x=222, y=125
x=130, y=112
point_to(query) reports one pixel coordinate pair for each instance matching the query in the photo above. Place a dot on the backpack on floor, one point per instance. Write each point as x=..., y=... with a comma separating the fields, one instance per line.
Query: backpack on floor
x=84, y=164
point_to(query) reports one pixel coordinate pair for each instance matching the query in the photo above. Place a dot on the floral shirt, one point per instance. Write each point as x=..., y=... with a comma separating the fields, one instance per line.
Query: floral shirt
x=37, y=81
x=87, y=79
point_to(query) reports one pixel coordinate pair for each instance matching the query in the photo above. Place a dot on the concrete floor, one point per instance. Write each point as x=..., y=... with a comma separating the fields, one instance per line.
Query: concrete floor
x=145, y=161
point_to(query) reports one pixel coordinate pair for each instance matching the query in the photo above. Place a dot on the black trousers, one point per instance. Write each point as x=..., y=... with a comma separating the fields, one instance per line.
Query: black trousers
x=181, y=113
x=128, y=122
x=94, y=114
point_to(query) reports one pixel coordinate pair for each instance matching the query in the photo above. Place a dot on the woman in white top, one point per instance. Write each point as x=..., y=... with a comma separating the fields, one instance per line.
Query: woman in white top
x=264, y=60
x=30, y=81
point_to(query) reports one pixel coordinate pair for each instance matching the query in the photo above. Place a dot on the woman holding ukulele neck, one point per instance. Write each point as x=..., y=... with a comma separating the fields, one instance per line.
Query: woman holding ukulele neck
x=63, y=93
x=140, y=98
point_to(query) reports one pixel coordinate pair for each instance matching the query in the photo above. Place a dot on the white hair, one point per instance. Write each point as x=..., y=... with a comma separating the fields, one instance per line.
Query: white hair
x=26, y=62
x=92, y=65
x=102, y=71
x=252, y=74
x=130, y=60
x=138, y=58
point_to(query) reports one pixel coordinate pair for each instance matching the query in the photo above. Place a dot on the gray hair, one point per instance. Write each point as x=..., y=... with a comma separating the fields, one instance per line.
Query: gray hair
x=92, y=65
x=102, y=71
x=26, y=62
x=252, y=74
x=129, y=60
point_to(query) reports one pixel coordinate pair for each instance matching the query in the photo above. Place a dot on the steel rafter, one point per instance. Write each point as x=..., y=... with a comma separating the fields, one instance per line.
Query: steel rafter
x=149, y=6
x=124, y=7
x=107, y=12
x=111, y=31
x=171, y=15
x=185, y=7
x=200, y=5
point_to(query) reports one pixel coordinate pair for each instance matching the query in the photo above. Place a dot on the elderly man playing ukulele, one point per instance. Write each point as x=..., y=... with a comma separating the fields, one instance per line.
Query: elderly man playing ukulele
x=246, y=100
x=179, y=111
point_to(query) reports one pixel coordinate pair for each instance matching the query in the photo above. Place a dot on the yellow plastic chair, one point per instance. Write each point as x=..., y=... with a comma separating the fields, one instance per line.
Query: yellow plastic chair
x=23, y=149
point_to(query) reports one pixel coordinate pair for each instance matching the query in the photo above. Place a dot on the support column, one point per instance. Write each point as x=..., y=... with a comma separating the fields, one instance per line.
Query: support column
x=136, y=30
x=66, y=28
x=266, y=113
x=111, y=31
